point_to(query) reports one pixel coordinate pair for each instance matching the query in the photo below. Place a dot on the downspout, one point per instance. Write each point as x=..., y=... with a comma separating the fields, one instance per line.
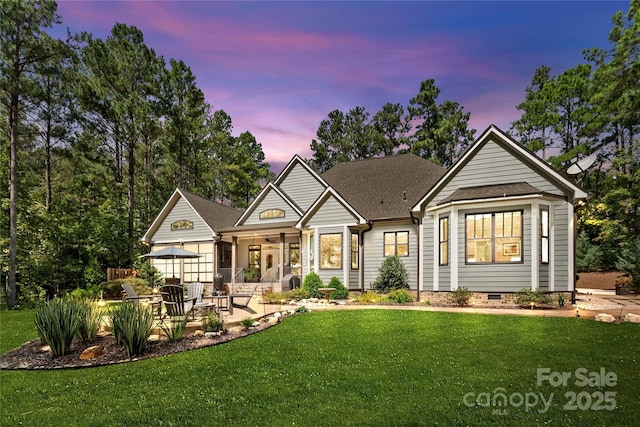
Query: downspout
x=413, y=221
x=361, y=255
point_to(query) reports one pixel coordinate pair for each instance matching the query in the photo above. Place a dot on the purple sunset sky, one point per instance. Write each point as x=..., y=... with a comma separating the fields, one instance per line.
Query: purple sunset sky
x=279, y=68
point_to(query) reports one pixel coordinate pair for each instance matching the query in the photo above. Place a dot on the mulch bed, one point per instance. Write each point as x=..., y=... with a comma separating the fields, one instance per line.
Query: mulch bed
x=31, y=355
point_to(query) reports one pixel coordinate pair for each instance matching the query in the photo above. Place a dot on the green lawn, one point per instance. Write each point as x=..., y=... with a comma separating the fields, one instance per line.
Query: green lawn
x=368, y=367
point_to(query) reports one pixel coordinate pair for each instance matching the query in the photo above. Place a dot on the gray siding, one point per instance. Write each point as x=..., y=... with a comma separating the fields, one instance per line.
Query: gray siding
x=494, y=165
x=427, y=255
x=331, y=213
x=272, y=201
x=561, y=248
x=182, y=211
x=495, y=277
x=374, y=251
x=301, y=187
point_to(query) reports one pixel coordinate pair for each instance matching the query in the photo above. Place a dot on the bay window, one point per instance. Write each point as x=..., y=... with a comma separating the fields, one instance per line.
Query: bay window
x=494, y=237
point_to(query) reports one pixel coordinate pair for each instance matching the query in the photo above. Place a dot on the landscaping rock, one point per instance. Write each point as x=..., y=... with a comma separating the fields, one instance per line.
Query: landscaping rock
x=632, y=318
x=198, y=333
x=91, y=352
x=45, y=349
x=605, y=317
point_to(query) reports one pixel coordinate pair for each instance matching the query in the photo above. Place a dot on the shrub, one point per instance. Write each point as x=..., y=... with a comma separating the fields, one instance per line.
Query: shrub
x=246, y=323
x=57, y=323
x=113, y=289
x=88, y=320
x=391, y=275
x=561, y=300
x=311, y=284
x=132, y=325
x=369, y=297
x=461, y=296
x=525, y=297
x=90, y=292
x=399, y=296
x=302, y=309
x=629, y=262
x=341, y=291
x=588, y=255
x=213, y=323
x=174, y=328
x=279, y=297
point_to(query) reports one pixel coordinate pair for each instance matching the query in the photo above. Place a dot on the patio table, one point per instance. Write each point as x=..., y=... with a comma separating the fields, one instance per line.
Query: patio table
x=218, y=299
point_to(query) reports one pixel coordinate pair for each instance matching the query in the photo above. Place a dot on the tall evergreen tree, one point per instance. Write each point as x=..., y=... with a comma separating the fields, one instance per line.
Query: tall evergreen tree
x=23, y=46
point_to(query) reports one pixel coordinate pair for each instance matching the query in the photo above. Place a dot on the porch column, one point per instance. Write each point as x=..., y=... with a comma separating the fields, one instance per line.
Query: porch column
x=281, y=261
x=535, y=230
x=234, y=258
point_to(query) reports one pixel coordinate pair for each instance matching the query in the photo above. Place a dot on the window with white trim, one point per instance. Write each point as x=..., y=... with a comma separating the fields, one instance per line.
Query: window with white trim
x=494, y=237
x=396, y=243
x=444, y=241
x=330, y=251
x=544, y=236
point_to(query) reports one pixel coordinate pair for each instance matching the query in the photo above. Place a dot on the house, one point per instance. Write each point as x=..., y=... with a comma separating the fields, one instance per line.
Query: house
x=192, y=223
x=499, y=220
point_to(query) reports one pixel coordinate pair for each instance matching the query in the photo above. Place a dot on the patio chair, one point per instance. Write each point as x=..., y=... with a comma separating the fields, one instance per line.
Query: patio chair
x=196, y=290
x=244, y=299
x=175, y=301
x=130, y=294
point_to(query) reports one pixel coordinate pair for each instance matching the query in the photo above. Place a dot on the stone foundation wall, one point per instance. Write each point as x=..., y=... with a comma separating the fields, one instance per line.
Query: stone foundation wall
x=478, y=299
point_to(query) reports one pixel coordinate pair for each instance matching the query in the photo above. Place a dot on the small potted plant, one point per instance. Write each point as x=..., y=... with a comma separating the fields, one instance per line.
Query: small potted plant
x=251, y=275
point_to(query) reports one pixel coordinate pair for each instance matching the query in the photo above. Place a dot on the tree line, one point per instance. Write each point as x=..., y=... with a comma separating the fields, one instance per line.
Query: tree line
x=592, y=108
x=97, y=133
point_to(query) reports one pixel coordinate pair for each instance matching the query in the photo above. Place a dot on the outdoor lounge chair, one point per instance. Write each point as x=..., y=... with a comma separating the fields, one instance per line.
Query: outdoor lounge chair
x=196, y=290
x=130, y=294
x=175, y=301
x=242, y=300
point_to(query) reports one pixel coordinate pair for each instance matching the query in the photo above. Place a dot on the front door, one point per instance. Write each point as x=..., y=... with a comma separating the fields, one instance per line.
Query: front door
x=269, y=265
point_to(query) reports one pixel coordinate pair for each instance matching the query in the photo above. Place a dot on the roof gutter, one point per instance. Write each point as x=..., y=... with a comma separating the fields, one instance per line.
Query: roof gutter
x=361, y=255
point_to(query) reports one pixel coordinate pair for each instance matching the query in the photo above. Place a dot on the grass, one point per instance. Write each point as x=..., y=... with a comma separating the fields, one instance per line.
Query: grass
x=368, y=367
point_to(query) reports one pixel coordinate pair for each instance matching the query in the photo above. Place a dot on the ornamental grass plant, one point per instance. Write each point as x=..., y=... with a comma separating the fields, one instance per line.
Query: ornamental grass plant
x=132, y=326
x=57, y=323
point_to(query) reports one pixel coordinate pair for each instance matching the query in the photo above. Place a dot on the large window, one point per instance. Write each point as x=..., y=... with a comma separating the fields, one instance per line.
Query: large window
x=544, y=236
x=331, y=251
x=494, y=237
x=354, y=251
x=444, y=241
x=396, y=243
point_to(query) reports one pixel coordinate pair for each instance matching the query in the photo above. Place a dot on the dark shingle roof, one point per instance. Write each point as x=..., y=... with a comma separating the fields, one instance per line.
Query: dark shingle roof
x=491, y=192
x=385, y=187
x=217, y=216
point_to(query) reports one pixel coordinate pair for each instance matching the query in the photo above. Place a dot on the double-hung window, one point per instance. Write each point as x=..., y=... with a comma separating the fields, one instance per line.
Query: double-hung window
x=444, y=241
x=396, y=243
x=544, y=236
x=494, y=237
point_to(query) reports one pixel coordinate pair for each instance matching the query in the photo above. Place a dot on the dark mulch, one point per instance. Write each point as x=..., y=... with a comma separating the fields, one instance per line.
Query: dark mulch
x=31, y=355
